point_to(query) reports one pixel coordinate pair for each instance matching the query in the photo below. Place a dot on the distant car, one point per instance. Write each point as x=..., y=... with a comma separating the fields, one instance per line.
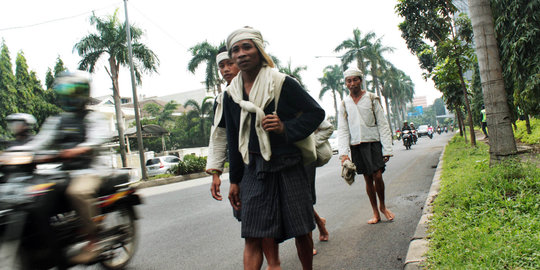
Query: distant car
x=422, y=130
x=333, y=142
x=160, y=165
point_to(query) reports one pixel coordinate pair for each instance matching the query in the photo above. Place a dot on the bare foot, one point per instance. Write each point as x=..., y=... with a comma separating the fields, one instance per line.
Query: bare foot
x=389, y=215
x=314, y=252
x=374, y=220
x=323, y=233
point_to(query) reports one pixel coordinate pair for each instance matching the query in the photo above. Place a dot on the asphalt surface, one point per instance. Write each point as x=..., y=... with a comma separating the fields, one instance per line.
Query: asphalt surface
x=183, y=227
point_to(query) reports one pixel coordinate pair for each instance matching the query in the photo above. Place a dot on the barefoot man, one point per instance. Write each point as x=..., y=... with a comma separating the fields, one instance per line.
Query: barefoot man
x=364, y=136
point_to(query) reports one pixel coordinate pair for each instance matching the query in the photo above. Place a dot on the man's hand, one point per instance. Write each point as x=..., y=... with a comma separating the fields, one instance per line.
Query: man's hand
x=214, y=188
x=343, y=158
x=272, y=122
x=386, y=159
x=234, y=196
x=74, y=152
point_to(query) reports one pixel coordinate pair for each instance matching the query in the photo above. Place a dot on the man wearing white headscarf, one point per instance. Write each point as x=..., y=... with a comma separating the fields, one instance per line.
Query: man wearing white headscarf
x=217, y=146
x=364, y=134
x=268, y=180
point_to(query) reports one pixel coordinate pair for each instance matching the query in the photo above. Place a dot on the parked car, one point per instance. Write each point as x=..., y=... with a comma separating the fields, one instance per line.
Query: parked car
x=422, y=130
x=160, y=165
x=333, y=142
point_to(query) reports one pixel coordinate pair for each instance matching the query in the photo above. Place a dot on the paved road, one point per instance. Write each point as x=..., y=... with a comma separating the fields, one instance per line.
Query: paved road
x=182, y=227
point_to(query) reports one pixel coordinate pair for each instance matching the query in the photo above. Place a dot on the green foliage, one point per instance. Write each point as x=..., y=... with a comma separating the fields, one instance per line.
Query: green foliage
x=22, y=91
x=485, y=217
x=189, y=164
x=293, y=72
x=332, y=81
x=160, y=176
x=522, y=135
x=205, y=52
x=517, y=25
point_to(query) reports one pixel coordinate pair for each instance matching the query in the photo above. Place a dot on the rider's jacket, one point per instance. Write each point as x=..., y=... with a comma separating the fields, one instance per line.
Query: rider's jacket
x=406, y=128
x=70, y=130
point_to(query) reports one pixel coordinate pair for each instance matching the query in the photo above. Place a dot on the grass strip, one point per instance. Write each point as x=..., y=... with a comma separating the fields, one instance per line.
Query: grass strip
x=485, y=217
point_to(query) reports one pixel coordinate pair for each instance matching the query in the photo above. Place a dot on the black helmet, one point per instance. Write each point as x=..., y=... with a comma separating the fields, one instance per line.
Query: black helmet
x=19, y=123
x=73, y=90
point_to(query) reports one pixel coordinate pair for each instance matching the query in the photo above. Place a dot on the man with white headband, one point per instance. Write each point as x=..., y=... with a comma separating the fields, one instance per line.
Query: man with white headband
x=364, y=134
x=217, y=146
x=268, y=180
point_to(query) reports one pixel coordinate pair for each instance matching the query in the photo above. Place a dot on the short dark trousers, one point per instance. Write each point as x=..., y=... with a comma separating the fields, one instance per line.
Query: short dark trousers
x=275, y=204
x=367, y=157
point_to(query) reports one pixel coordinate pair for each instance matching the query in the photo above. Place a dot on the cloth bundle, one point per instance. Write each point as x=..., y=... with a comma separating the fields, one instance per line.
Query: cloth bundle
x=348, y=170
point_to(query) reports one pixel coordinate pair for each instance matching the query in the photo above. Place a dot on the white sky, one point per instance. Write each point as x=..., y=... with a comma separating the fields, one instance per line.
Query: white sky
x=297, y=30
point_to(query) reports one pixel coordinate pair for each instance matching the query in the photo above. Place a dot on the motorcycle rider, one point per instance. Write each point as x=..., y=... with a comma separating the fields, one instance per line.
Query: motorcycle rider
x=406, y=126
x=21, y=126
x=78, y=133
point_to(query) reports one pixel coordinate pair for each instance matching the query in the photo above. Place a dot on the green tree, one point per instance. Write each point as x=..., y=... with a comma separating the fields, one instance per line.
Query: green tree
x=201, y=114
x=517, y=27
x=206, y=53
x=293, y=72
x=377, y=62
x=434, y=22
x=7, y=87
x=356, y=49
x=152, y=109
x=332, y=81
x=111, y=40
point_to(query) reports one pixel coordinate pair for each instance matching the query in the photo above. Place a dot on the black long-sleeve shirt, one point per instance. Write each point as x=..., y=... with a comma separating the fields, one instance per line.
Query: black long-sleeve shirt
x=298, y=111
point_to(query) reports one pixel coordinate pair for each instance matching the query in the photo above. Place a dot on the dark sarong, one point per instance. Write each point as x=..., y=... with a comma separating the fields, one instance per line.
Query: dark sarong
x=367, y=157
x=310, y=172
x=276, y=199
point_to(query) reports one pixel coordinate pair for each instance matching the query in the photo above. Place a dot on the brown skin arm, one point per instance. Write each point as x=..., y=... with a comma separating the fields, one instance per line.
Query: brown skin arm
x=234, y=196
x=215, y=187
x=74, y=152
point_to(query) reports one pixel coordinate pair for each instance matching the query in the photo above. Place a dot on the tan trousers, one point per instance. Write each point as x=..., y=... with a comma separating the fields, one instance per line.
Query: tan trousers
x=82, y=194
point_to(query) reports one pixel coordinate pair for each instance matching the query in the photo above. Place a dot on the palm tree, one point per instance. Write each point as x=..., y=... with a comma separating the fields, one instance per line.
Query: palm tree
x=111, y=40
x=377, y=61
x=293, y=72
x=205, y=52
x=357, y=49
x=332, y=80
x=502, y=141
x=166, y=113
x=202, y=112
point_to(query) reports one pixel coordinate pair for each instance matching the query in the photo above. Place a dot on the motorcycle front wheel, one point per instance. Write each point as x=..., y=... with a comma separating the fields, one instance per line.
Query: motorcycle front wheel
x=120, y=253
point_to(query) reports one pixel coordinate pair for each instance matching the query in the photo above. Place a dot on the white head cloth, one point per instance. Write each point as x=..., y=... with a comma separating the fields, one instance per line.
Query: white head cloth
x=353, y=71
x=253, y=35
x=222, y=56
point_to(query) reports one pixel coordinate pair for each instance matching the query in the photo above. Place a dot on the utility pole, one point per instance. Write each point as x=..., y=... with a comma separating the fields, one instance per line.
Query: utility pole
x=135, y=98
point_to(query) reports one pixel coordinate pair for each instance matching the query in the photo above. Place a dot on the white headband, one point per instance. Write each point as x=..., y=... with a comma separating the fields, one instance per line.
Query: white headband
x=222, y=56
x=253, y=35
x=353, y=72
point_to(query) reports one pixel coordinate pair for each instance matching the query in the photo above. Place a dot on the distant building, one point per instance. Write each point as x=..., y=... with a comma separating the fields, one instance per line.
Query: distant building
x=420, y=101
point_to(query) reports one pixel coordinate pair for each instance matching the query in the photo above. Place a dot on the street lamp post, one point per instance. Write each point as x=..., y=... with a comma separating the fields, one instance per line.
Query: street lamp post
x=135, y=98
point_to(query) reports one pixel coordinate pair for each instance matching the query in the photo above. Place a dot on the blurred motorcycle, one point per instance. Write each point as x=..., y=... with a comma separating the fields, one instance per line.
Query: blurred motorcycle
x=407, y=139
x=38, y=227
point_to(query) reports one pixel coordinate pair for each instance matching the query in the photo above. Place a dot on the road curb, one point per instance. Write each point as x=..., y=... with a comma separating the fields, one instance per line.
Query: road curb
x=419, y=244
x=174, y=179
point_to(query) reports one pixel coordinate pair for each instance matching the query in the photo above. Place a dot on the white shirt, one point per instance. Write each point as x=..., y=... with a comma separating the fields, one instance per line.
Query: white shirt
x=363, y=122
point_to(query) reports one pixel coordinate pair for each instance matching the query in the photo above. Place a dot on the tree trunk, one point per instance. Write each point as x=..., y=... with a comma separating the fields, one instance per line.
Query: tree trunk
x=335, y=103
x=361, y=67
x=460, y=122
x=118, y=112
x=528, y=124
x=501, y=137
x=388, y=116
x=467, y=104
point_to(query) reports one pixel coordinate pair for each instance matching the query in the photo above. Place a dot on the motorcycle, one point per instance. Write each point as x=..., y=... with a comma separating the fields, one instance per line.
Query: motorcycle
x=439, y=130
x=430, y=133
x=407, y=139
x=398, y=135
x=446, y=129
x=38, y=227
x=414, y=136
